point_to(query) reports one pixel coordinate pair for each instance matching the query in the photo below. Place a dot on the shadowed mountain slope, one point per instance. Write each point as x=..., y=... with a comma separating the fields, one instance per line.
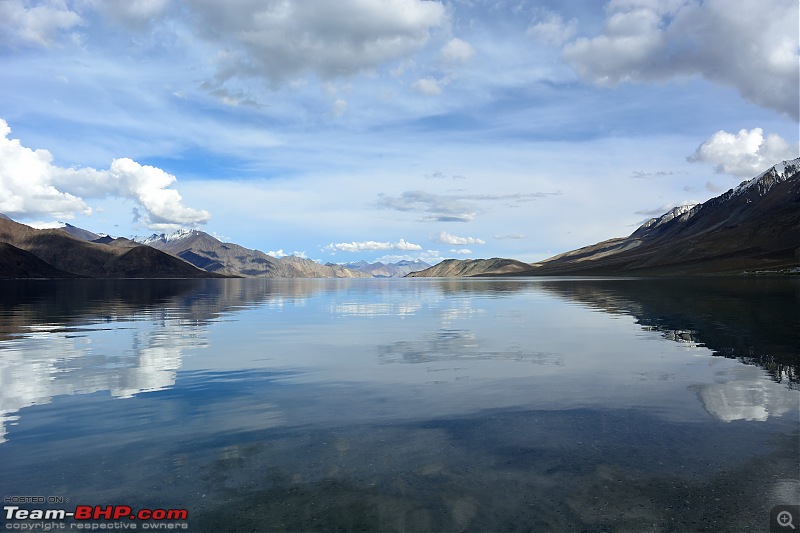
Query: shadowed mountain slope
x=16, y=263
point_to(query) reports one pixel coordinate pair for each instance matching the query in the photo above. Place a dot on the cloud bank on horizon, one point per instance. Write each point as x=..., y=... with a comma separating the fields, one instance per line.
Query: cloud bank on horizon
x=389, y=128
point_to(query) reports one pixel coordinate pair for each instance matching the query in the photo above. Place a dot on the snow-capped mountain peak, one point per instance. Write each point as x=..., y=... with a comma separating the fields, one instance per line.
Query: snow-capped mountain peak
x=769, y=178
x=676, y=212
x=683, y=212
x=164, y=237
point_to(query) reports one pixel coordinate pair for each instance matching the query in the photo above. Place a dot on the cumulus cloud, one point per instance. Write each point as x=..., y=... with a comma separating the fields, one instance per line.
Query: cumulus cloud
x=752, y=48
x=280, y=41
x=26, y=182
x=462, y=251
x=456, y=52
x=449, y=238
x=550, y=28
x=38, y=25
x=744, y=154
x=514, y=236
x=365, y=246
x=32, y=186
x=281, y=253
x=149, y=186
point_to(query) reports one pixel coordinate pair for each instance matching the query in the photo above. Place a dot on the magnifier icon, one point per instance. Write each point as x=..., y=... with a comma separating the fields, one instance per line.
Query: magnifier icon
x=785, y=519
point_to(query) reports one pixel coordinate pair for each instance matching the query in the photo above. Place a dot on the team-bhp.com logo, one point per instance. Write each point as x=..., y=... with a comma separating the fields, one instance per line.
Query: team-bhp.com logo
x=94, y=517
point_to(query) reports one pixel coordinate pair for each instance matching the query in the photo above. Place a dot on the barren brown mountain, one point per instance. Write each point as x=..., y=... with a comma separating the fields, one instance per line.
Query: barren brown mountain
x=471, y=267
x=66, y=253
x=213, y=255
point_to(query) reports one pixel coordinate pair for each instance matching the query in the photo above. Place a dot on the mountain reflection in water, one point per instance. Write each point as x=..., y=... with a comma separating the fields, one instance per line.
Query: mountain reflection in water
x=756, y=321
x=449, y=405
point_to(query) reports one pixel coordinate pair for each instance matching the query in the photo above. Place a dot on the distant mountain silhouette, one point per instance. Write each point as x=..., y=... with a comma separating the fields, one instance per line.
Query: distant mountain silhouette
x=388, y=270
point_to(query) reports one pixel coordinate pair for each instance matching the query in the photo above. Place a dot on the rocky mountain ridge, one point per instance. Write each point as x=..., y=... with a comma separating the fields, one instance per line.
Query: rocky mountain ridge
x=229, y=259
x=754, y=227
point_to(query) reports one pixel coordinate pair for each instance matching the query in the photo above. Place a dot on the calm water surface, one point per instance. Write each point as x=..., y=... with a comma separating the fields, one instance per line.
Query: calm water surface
x=407, y=405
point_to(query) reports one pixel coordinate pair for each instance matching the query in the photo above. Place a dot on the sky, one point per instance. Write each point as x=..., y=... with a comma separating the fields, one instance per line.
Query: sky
x=389, y=129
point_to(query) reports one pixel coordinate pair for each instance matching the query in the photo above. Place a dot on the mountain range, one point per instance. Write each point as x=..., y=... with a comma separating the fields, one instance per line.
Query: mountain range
x=53, y=253
x=68, y=251
x=754, y=227
x=229, y=259
x=211, y=254
x=388, y=270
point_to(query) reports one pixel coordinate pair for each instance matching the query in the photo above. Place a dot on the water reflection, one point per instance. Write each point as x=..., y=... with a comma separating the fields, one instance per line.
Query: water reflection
x=405, y=404
x=745, y=396
x=126, y=338
x=756, y=321
x=121, y=337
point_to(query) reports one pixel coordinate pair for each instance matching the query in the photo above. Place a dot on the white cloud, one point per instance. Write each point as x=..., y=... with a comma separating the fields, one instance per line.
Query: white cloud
x=148, y=185
x=551, y=29
x=744, y=154
x=449, y=238
x=26, y=187
x=462, y=251
x=281, y=253
x=36, y=25
x=281, y=41
x=427, y=86
x=752, y=48
x=365, y=246
x=456, y=52
x=30, y=185
x=41, y=224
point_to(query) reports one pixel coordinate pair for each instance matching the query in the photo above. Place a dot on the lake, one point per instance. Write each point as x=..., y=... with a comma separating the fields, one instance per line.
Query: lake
x=405, y=405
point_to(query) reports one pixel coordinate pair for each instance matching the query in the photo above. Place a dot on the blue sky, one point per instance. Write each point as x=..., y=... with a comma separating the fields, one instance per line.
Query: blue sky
x=388, y=129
